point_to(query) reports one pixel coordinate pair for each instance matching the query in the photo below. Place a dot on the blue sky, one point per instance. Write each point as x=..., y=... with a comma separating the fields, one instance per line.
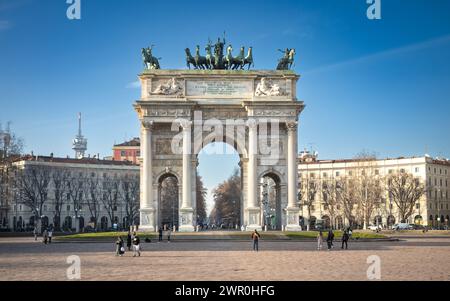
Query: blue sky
x=378, y=85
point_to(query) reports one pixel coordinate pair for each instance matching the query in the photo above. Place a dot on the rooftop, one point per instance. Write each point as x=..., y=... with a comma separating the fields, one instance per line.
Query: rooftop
x=72, y=160
x=132, y=142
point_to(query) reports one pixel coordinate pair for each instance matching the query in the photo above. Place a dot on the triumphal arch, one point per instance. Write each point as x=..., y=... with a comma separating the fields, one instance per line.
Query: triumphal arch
x=254, y=111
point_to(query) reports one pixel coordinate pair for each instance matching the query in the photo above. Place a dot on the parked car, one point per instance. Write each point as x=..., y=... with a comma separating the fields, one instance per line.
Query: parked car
x=417, y=227
x=402, y=226
x=375, y=227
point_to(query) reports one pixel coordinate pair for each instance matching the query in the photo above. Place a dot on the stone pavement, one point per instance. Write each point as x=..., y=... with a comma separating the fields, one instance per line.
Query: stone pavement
x=410, y=259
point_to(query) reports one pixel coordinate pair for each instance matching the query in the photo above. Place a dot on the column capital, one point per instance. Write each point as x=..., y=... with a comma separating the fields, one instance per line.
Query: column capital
x=252, y=123
x=185, y=124
x=148, y=125
x=291, y=126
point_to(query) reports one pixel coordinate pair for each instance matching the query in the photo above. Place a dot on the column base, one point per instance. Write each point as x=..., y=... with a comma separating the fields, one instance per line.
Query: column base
x=292, y=215
x=253, y=228
x=147, y=218
x=253, y=219
x=186, y=224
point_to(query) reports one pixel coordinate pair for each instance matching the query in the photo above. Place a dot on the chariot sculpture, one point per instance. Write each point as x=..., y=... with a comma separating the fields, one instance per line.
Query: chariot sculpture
x=218, y=58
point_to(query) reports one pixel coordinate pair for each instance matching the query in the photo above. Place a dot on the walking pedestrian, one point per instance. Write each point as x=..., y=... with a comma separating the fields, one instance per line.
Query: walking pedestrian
x=45, y=236
x=255, y=238
x=136, y=245
x=160, y=234
x=50, y=235
x=330, y=238
x=35, y=232
x=129, y=240
x=119, y=246
x=169, y=232
x=345, y=238
x=319, y=240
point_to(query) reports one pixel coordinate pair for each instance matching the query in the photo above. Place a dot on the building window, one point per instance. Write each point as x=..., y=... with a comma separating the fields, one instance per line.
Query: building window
x=337, y=173
x=390, y=171
x=377, y=172
x=442, y=206
x=311, y=175
x=115, y=208
x=45, y=207
x=440, y=182
x=68, y=208
x=138, y=153
x=350, y=173
x=417, y=169
x=435, y=170
x=93, y=174
x=325, y=175
x=123, y=153
x=417, y=206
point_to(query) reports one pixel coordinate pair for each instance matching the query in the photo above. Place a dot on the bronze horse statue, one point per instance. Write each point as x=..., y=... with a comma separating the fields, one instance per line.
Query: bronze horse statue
x=190, y=59
x=150, y=62
x=200, y=61
x=286, y=62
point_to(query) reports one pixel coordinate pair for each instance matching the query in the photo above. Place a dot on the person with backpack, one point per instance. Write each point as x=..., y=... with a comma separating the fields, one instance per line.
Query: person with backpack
x=330, y=238
x=136, y=245
x=120, y=250
x=255, y=238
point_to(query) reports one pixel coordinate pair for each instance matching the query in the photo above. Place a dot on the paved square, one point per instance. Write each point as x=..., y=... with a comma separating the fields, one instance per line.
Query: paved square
x=409, y=259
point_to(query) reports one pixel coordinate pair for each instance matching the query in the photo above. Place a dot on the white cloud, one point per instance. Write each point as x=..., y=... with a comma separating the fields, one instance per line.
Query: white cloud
x=385, y=53
x=134, y=85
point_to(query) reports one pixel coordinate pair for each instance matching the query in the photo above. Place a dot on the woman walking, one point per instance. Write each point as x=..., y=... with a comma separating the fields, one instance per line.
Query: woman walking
x=319, y=241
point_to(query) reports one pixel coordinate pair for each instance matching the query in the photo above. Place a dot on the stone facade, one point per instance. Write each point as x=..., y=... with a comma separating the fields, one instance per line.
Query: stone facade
x=182, y=110
x=20, y=217
x=433, y=209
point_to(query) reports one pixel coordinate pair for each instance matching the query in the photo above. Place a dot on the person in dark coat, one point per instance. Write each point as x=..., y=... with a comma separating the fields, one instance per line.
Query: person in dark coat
x=330, y=238
x=160, y=234
x=345, y=238
x=129, y=241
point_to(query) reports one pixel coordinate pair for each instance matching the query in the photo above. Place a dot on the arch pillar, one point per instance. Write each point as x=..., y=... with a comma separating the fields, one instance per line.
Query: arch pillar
x=147, y=211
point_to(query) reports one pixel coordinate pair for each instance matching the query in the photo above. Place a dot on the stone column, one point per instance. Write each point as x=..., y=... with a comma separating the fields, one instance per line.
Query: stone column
x=147, y=210
x=252, y=196
x=292, y=209
x=186, y=210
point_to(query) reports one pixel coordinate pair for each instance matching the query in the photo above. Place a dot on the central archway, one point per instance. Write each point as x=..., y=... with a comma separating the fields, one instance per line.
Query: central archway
x=223, y=184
